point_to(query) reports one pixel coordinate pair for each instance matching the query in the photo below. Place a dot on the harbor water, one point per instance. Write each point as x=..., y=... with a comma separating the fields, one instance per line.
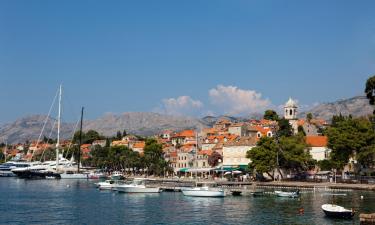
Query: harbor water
x=79, y=202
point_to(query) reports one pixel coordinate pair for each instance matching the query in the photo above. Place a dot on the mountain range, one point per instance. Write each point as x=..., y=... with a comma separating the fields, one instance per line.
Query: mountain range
x=148, y=123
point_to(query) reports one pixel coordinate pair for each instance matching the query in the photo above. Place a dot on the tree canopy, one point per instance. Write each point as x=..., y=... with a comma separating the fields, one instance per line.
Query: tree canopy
x=270, y=115
x=370, y=90
x=348, y=137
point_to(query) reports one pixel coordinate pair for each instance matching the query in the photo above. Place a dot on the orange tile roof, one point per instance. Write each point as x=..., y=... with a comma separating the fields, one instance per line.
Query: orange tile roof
x=205, y=152
x=139, y=145
x=317, y=141
x=185, y=133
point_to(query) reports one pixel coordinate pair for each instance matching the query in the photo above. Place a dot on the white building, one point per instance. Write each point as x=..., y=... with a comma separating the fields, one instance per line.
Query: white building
x=234, y=152
x=290, y=113
x=318, y=147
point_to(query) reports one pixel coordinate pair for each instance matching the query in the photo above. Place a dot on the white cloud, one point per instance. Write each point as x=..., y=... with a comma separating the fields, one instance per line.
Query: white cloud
x=235, y=101
x=183, y=105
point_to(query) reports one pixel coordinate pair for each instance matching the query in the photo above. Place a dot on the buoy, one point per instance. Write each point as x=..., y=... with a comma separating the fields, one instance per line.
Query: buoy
x=301, y=211
x=362, y=197
x=67, y=185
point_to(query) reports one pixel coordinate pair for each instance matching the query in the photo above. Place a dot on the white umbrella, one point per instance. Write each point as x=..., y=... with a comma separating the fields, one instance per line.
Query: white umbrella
x=227, y=173
x=236, y=172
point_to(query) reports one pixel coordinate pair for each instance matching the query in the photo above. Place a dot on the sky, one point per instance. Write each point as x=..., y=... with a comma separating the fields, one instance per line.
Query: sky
x=192, y=58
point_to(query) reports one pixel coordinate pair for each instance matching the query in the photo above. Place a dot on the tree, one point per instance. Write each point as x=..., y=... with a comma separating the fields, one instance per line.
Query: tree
x=293, y=155
x=213, y=159
x=118, y=135
x=370, y=90
x=153, y=157
x=349, y=137
x=270, y=115
x=87, y=138
x=124, y=133
x=285, y=129
x=301, y=130
x=309, y=117
x=264, y=156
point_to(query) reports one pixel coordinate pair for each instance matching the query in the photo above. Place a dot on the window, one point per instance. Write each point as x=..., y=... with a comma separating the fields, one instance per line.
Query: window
x=291, y=112
x=259, y=135
x=204, y=164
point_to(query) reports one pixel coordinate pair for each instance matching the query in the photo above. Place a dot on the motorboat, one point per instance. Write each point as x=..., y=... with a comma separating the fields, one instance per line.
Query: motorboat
x=138, y=185
x=292, y=194
x=117, y=175
x=337, y=211
x=206, y=190
x=6, y=168
x=109, y=185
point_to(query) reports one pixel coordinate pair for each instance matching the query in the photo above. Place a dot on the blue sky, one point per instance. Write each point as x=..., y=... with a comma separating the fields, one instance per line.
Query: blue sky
x=181, y=57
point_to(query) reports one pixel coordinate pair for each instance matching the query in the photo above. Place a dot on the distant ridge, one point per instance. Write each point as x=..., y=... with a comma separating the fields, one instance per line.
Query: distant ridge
x=357, y=106
x=149, y=123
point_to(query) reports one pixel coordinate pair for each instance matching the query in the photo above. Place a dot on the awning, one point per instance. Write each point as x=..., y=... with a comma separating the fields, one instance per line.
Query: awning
x=231, y=168
x=199, y=170
x=184, y=170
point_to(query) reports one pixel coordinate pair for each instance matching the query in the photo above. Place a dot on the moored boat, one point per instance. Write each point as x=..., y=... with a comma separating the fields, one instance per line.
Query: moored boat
x=336, y=211
x=138, y=185
x=206, y=190
x=292, y=194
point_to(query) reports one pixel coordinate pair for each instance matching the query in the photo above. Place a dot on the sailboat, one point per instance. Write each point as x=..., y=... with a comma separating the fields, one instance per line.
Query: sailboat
x=47, y=169
x=71, y=174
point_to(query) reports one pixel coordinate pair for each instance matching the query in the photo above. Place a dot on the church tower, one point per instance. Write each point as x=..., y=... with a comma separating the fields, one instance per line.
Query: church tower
x=290, y=113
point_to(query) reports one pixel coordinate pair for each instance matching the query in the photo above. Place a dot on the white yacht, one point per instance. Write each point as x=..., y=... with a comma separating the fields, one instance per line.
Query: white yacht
x=206, y=190
x=109, y=185
x=7, y=167
x=138, y=185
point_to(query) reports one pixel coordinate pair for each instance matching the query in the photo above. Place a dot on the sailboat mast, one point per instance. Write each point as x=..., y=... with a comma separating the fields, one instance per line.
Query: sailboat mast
x=80, y=141
x=58, y=130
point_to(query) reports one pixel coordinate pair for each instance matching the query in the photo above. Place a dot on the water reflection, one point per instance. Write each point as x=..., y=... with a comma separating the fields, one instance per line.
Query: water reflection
x=79, y=202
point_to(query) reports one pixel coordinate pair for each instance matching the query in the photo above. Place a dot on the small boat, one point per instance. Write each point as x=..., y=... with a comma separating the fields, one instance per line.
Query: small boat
x=293, y=194
x=336, y=211
x=106, y=185
x=97, y=175
x=138, y=185
x=207, y=190
x=257, y=194
x=117, y=175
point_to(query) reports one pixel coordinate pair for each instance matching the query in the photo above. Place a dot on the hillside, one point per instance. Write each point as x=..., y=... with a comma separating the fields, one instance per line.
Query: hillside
x=356, y=106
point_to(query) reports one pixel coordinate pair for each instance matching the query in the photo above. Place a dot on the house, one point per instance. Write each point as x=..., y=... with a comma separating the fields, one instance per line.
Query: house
x=239, y=129
x=86, y=150
x=202, y=159
x=261, y=131
x=184, y=137
x=234, y=152
x=222, y=124
x=120, y=143
x=166, y=134
x=100, y=143
x=318, y=147
x=138, y=146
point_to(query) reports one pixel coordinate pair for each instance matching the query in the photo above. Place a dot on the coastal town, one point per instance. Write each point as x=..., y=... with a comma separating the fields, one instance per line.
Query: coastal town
x=214, y=151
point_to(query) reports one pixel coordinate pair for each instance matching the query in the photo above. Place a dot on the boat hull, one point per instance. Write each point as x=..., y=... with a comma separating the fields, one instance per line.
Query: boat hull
x=342, y=215
x=287, y=194
x=30, y=174
x=203, y=193
x=335, y=211
x=130, y=189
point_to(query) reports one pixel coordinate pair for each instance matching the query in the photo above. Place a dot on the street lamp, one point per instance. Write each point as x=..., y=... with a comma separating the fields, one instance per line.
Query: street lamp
x=222, y=172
